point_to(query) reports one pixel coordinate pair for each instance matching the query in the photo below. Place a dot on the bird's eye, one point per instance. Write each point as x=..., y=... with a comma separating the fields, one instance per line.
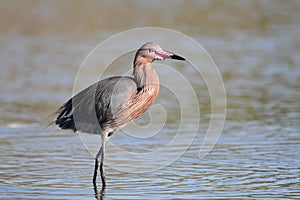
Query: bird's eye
x=151, y=51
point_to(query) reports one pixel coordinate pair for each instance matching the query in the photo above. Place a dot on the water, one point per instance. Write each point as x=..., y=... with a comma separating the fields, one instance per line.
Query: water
x=257, y=154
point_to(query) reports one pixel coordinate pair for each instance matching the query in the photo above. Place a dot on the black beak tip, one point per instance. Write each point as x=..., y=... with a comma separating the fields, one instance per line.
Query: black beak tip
x=177, y=57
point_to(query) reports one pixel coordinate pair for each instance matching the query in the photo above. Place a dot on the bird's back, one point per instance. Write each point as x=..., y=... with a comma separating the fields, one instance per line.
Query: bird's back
x=92, y=109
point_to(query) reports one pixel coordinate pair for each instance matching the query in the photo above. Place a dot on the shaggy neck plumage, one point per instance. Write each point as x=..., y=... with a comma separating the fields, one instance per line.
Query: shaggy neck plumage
x=143, y=72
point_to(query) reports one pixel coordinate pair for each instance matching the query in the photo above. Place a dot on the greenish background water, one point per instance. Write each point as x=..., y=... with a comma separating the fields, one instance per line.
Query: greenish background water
x=256, y=47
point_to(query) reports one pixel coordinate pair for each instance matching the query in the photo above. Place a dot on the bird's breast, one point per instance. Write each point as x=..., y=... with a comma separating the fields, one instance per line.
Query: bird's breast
x=142, y=100
x=138, y=103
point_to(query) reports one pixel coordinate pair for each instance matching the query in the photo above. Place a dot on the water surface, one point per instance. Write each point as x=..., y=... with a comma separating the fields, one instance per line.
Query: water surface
x=257, y=155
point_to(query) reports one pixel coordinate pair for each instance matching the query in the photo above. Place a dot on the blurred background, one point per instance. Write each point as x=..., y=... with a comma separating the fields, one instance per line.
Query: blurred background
x=255, y=44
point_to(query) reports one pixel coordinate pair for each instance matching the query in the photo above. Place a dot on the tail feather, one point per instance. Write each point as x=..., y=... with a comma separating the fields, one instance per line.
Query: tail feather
x=68, y=123
x=65, y=118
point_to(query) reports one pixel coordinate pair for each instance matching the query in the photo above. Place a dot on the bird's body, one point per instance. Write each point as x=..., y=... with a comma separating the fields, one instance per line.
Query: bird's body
x=108, y=105
x=108, y=101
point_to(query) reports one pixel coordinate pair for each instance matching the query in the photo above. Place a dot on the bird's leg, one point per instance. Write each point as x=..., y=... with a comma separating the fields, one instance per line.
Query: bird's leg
x=95, y=171
x=102, y=171
x=97, y=159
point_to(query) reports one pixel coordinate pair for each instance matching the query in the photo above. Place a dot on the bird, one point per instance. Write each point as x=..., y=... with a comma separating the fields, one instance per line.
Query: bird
x=108, y=105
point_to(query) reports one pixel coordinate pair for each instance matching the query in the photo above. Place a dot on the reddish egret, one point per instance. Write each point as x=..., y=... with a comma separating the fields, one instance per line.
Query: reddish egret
x=114, y=101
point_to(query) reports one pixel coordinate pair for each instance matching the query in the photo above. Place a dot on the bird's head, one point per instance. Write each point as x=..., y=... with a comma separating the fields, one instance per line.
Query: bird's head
x=152, y=51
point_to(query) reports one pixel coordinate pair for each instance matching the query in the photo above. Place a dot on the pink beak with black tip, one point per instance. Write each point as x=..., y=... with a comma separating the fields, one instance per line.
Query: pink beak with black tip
x=165, y=54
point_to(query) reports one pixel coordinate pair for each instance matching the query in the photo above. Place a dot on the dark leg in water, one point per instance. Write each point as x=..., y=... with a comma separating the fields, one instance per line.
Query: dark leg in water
x=102, y=171
x=97, y=159
x=100, y=158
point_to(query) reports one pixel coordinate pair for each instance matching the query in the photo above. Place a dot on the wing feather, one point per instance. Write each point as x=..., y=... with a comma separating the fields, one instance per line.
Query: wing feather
x=95, y=106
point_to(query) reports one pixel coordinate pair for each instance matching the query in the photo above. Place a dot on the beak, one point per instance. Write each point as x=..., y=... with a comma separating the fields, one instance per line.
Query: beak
x=165, y=54
x=177, y=57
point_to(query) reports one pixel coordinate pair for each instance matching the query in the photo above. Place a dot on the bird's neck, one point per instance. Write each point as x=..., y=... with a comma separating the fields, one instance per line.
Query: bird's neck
x=145, y=75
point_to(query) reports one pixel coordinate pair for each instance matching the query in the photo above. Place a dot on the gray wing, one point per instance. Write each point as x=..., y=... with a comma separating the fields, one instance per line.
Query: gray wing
x=94, y=107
